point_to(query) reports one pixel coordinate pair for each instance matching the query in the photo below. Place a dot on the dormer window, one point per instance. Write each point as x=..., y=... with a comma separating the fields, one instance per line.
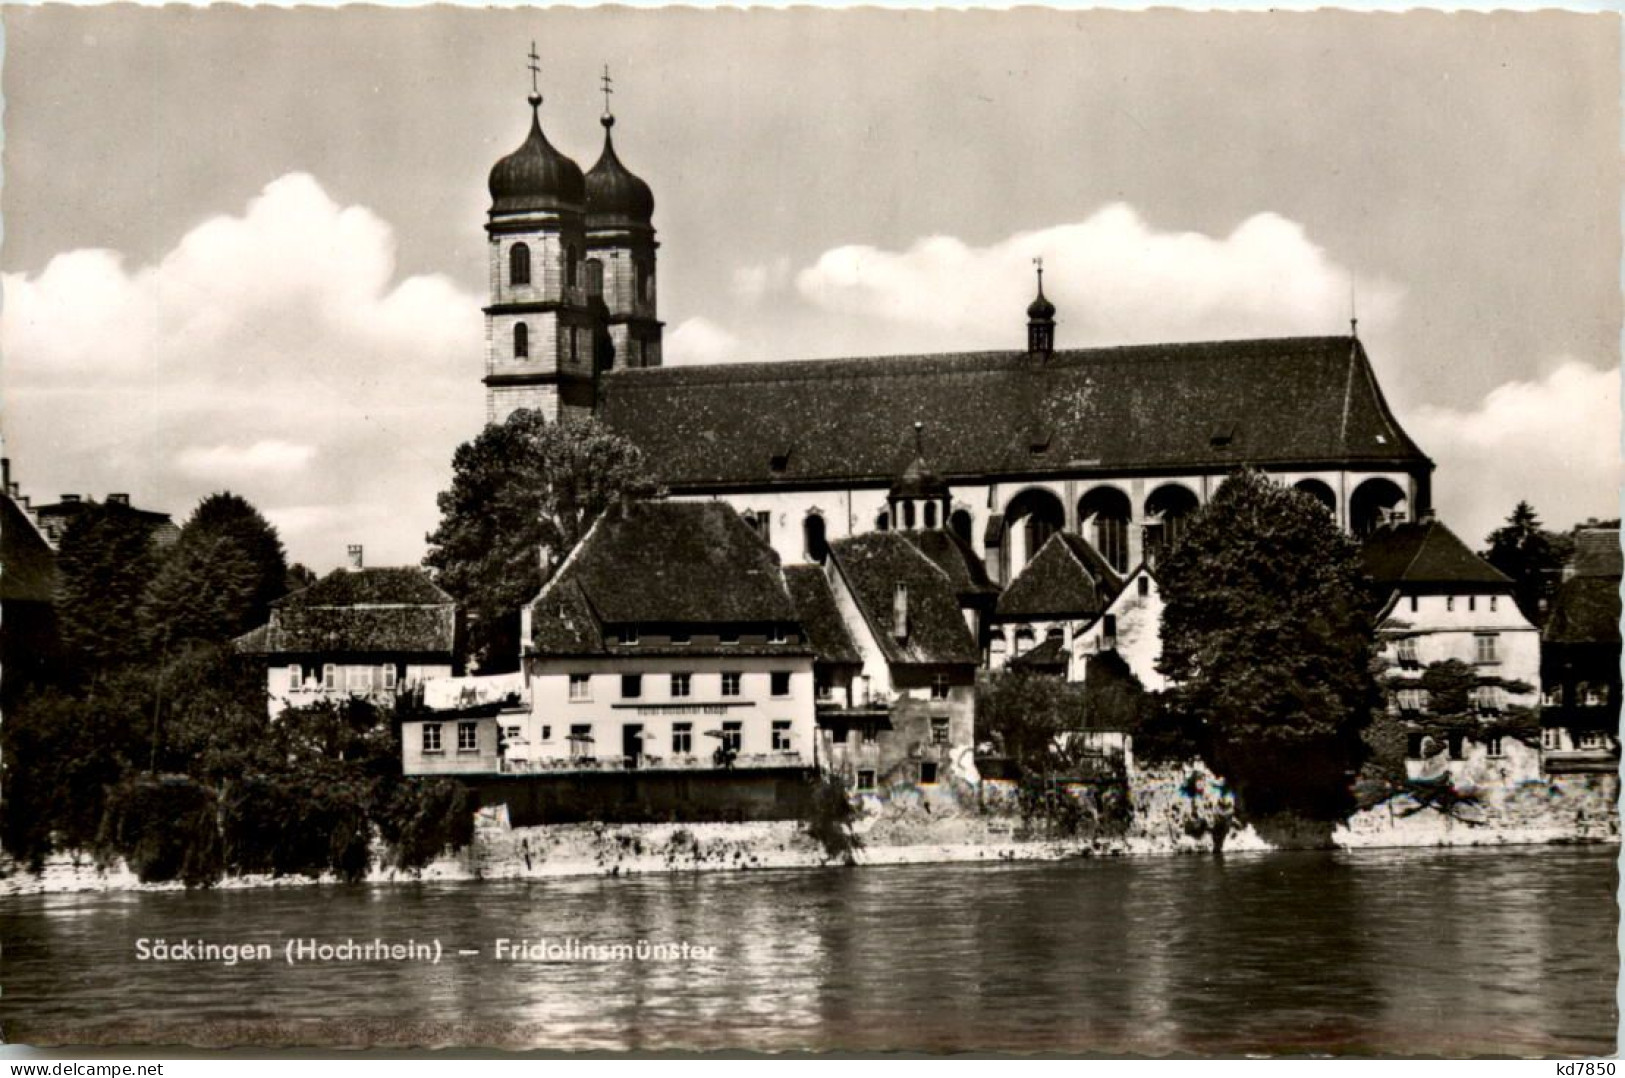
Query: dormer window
x=780, y=460
x=1222, y=437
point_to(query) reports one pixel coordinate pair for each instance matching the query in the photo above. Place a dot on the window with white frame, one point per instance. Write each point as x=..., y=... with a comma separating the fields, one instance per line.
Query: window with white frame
x=581, y=739
x=431, y=737
x=939, y=731
x=468, y=737
x=1492, y=603
x=939, y=686
x=731, y=682
x=1485, y=648
x=1593, y=739
x=781, y=735
x=733, y=736
x=581, y=686
x=1450, y=602
x=390, y=677
x=682, y=738
x=295, y=676
x=358, y=679
x=780, y=682
x=1551, y=739
x=1494, y=748
x=1412, y=699
x=631, y=686
x=866, y=779
x=1407, y=650
x=330, y=676
x=1490, y=698
x=680, y=685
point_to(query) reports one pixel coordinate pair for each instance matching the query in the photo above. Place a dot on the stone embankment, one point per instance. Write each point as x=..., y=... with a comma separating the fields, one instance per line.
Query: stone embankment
x=1172, y=811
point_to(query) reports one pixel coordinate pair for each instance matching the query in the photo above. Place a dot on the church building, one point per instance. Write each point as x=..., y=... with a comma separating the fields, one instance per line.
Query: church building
x=1004, y=448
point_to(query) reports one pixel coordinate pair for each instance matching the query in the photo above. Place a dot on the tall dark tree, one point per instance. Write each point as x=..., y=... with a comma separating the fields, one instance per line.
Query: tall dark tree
x=104, y=563
x=522, y=495
x=218, y=580
x=1266, y=637
x=1532, y=556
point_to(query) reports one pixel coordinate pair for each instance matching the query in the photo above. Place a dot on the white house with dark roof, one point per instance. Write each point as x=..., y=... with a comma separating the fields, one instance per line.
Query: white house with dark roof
x=1439, y=601
x=1580, y=649
x=1062, y=590
x=909, y=716
x=667, y=640
x=375, y=633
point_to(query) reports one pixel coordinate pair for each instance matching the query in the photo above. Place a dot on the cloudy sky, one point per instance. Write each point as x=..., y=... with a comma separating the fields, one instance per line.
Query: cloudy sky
x=243, y=248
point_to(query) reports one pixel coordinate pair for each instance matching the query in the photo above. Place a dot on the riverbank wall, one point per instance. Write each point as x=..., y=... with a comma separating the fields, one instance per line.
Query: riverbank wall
x=1177, y=810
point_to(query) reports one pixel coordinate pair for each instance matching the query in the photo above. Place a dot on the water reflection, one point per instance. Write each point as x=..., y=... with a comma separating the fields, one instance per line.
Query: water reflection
x=1408, y=952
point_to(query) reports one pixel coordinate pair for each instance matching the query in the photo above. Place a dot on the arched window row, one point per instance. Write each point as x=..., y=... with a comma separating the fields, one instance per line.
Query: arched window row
x=519, y=265
x=521, y=341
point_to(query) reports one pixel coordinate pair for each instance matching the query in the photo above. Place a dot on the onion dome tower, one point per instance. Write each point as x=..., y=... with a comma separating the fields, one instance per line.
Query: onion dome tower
x=919, y=496
x=1040, y=319
x=621, y=238
x=540, y=324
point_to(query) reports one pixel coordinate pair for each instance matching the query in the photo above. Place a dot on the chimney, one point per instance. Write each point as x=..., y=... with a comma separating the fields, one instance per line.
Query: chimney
x=354, y=553
x=899, y=612
x=118, y=499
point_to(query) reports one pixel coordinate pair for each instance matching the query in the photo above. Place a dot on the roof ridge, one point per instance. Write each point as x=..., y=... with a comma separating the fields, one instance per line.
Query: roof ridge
x=756, y=370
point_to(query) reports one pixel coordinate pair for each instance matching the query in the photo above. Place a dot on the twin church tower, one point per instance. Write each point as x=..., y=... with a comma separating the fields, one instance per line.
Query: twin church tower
x=572, y=275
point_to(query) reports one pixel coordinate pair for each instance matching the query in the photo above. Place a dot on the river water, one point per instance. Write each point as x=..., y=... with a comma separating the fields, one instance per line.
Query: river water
x=1509, y=951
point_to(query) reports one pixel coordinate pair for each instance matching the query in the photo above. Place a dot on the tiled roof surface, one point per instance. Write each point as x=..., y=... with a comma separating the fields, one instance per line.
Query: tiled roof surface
x=874, y=565
x=1216, y=404
x=821, y=620
x=662, y=563
x=1424, y=554
x=361, y=611
x=27, y=562
x=1586, y=611
x=954, y=556
x=1597, y=552
x=1067, y=578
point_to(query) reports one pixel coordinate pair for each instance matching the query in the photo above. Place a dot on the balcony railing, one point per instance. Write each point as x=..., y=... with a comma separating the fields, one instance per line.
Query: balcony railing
x=757, y=761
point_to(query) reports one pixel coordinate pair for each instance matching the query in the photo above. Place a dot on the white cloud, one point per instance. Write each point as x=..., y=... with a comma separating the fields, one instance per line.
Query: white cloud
x=1554, y=442
x=1114, y=279
x=261, y=345
x=700, y=340
x=228, y=463
x=754, y=283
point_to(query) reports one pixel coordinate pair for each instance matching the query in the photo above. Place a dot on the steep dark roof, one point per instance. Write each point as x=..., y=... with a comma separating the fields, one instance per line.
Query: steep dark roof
x=663, y=563
x=1067, y=578
x=27, y=562
x=1586, y=611
x=966, y=571
x=821, y=620
x=873, y=565
x=360, y=611
x=1427, y=555
x=1048, y=656
x=1304, y=400
x=1597, y=553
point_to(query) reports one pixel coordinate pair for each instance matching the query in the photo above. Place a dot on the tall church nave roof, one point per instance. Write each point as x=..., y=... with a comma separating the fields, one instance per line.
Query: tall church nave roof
x=1310, y=400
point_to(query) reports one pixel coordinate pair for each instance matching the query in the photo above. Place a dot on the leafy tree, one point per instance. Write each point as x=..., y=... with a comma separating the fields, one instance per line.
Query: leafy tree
x=104, y=563
x=219, y=579
x=1026, y=716
x=62, y=752
x=522, y=490
x=299, y=576
x=1532, y=556
x=1266, y=638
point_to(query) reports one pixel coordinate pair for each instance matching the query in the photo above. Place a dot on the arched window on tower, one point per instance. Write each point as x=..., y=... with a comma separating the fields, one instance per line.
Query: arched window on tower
x=521, y=340
x=960, y=522
x=518, y=264
x=646, y=282
x=908, y=515
x=930, y=514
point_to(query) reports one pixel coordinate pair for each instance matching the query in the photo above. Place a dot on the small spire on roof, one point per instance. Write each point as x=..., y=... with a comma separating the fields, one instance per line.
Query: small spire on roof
x=919, y=438
x=606, y=82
